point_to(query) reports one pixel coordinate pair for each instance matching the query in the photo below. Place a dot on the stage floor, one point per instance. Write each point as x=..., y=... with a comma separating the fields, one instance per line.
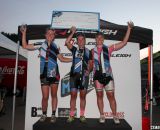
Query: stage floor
x=92, y=124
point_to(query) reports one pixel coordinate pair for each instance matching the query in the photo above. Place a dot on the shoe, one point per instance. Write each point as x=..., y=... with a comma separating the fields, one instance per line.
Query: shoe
x=102, y=119
x=70, y=119
x=43, y=118
x=82, y=119
x=116, y=120
x=53, y=119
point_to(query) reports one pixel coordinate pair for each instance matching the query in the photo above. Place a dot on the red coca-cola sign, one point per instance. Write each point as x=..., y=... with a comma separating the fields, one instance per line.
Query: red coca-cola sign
x=7, y=71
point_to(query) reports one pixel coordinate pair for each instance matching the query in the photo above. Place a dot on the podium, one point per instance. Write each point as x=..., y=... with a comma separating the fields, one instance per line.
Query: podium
x=91, y=124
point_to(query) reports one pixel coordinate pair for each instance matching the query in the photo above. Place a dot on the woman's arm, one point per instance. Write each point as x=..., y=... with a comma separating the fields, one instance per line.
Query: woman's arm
x=64, y=59
x=90, y=65
x=25, y=45
x=91, y=60
x=121, y=44
x=68, y=40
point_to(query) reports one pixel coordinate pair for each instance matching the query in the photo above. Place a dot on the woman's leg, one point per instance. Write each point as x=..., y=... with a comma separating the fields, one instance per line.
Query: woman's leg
x=45, y=96
x=99, y=92
x=82, y=101
x=73, y=102
x=54, y=101
x=112, y=102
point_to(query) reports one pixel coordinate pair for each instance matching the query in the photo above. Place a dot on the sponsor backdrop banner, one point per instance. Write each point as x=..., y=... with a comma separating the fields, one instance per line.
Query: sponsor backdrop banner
x=7, y=70
x=126, y=70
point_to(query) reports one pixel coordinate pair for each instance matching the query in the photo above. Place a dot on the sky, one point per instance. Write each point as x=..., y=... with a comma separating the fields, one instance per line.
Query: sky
x=144, y=13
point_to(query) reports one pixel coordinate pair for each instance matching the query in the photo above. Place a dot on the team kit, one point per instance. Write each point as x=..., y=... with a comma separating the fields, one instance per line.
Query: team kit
x=84, y=61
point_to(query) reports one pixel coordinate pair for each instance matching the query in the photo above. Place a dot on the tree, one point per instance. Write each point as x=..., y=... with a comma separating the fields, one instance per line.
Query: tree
x=11, y=36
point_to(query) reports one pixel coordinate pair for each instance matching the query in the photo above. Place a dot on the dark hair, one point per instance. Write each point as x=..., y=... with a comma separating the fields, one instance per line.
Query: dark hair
x=80, y=34
x=99, y=34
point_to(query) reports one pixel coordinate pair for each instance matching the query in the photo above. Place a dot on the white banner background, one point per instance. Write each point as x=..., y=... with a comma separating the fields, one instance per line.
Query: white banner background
x=126, y=72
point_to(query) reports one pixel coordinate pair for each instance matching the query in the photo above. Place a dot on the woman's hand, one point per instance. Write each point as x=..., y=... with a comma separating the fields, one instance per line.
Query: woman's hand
x=73, y=29
x=130, y=24
x=23, y=29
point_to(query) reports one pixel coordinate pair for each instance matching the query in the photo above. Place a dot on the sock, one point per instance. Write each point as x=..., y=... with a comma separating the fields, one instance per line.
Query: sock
x=71, y=113
x=44, y=112
x=53, y=113
x=82, y=112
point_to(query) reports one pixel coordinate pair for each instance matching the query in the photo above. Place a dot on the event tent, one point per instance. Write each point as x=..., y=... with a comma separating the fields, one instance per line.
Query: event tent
x=8, y=50
x=111, y=31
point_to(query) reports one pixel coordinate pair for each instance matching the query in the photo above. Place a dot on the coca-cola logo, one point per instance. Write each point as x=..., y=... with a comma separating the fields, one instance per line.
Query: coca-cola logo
x=9, y=70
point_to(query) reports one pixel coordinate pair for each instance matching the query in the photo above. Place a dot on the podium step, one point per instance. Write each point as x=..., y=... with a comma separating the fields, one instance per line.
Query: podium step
x=92, y=124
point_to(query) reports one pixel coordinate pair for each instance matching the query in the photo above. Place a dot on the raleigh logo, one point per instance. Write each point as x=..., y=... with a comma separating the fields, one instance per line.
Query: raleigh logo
x=7, y=70
x=93, y=43
x=109, y=32
x=121, y=55
x=105, y=31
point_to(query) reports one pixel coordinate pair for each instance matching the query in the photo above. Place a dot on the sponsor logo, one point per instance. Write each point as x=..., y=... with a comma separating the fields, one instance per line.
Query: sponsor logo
x=155, y=127
x=36, y=111
x=65, y=85
x=7, y=70
x=104, y=31
x=121, y=55
x=62, y=112
x=109, y=31
x=91, y=43
x=66, y=54
x=65, y=112
x=110, y=114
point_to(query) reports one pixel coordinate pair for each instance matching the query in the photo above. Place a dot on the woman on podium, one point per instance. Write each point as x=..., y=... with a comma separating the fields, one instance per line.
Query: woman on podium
x=49, y=72
x=79, y=75
x=103, y=77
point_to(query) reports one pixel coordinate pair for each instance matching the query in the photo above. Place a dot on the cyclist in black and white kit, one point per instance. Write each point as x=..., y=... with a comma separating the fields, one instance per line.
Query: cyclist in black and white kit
x=79, y=75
